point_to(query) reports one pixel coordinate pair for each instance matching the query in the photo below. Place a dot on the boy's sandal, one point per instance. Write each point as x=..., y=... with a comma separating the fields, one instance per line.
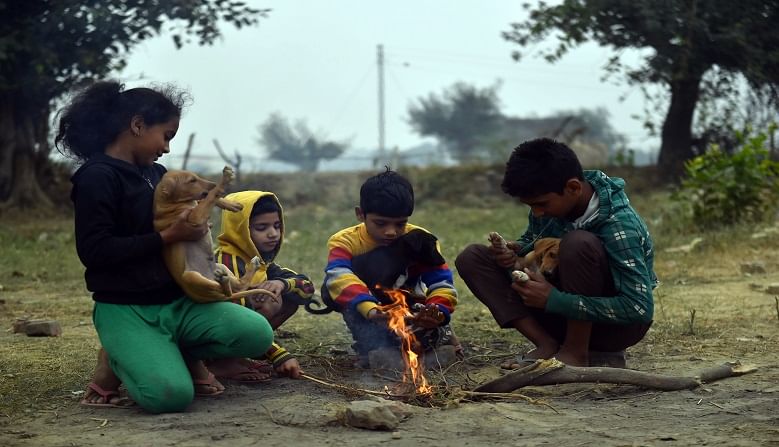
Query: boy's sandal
x=107, y=395
x=519, y=362
x=209, y=381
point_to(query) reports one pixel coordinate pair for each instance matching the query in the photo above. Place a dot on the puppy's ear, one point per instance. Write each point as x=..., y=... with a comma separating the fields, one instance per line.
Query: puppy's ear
x=543, y=245
x=166, y=187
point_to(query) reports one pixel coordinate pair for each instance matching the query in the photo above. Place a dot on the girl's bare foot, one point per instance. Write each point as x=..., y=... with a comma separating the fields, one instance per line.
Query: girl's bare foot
x=239, y=370
x=106, y=380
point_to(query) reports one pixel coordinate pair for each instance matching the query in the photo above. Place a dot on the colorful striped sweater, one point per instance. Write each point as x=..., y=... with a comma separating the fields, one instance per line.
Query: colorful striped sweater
x=348, y=291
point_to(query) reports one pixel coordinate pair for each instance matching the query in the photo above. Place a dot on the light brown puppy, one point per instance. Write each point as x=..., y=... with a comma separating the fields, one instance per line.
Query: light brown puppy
x=543, y=258
x=191, y=263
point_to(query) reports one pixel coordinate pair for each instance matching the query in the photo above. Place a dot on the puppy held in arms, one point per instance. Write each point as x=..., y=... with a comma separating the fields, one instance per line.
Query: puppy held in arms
x=543, y=258
x=191, y=263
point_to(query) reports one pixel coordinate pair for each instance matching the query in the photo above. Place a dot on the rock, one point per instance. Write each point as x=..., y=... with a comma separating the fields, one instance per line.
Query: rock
x=37, y=328
x=685, y=248
x=387, y=359
x=753, y=268
x=772, y=289
x=375, y=415
x=440, y=357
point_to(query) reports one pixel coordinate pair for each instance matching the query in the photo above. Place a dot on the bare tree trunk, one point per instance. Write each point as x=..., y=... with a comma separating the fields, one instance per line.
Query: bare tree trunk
x=23, y=153
x=676, y=147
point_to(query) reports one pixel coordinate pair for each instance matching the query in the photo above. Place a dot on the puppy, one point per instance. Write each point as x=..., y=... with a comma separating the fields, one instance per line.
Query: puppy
x=191, y=263
x=543, y=258
x=386, y=266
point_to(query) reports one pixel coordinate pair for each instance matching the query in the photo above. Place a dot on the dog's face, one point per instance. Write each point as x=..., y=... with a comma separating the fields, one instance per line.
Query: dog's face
x=420, y=246
x=544, y=254
x=183, y=186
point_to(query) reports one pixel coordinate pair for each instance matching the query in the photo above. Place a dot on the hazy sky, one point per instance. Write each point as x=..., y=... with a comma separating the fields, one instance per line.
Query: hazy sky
x=317, y=61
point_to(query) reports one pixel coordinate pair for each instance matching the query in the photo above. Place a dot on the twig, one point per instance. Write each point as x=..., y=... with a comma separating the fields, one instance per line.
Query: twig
x=480, y=394
x=692, y=322
x=776, y=301
x=346, y=388
x=270, y=415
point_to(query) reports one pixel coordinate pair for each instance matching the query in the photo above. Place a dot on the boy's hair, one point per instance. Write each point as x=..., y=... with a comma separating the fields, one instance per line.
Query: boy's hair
x=388, y=194
x=540, y=166
x=99, y=113
x=265, y=204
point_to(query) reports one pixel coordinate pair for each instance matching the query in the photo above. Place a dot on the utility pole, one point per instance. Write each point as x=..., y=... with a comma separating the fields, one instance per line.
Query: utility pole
x=380, y=64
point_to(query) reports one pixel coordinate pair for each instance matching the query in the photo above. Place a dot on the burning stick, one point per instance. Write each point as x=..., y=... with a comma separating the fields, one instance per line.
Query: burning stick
x=397, y=312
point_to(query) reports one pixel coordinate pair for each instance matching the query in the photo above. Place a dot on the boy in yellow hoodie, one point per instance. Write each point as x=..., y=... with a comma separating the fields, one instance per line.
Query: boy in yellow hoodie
x=258, y=230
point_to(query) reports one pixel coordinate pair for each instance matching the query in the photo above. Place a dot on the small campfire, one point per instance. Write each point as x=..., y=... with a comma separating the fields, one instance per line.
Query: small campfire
x=399, y=318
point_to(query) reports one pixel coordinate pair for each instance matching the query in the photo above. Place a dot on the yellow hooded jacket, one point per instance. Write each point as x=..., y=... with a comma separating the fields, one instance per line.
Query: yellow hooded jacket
x=235, y=249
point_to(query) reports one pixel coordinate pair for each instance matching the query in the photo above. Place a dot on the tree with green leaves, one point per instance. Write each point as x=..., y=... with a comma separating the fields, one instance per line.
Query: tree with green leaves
x=687, y=40
x=297, y=144
x=48, y=48
x=461, y=118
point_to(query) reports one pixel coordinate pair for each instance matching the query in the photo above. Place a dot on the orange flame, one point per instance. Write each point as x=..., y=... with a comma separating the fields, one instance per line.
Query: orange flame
x=398, y=311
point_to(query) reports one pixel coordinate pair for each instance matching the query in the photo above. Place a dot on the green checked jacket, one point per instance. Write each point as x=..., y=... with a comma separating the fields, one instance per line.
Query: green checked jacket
x=629, y=249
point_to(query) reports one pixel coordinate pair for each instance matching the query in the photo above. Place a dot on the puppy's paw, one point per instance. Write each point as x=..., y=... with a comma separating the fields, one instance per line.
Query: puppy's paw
x=233, y=206
x=228, y=175
x=221, y=274
x=256, y=262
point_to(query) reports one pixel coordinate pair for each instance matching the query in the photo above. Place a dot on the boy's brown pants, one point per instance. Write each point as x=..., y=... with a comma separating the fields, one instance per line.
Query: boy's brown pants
x=583, y=269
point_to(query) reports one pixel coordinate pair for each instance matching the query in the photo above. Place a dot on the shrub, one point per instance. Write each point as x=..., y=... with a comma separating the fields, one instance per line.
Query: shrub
x=722, y=189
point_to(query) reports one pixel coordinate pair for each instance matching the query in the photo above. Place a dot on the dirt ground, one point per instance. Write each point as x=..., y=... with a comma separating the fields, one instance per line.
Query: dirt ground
x=736, y=320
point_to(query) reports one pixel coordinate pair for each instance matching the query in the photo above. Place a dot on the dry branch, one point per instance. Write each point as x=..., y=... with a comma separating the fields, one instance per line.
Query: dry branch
x=553, y=372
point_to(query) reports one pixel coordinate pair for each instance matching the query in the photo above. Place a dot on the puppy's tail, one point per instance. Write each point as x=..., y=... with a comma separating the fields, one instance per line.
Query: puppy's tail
x=318, y=306
x=245, y=293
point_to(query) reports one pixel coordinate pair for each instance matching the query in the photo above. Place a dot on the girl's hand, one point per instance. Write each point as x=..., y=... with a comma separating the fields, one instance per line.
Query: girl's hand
x=274, y=286
x=290, y=368
x=181, y=230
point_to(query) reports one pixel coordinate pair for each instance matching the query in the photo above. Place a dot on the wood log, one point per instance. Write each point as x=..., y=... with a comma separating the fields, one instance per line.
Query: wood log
x=553, y=372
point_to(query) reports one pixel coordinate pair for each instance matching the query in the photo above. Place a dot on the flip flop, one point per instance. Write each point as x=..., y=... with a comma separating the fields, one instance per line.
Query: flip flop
x=210, y=381
x=107, y=395
x=520, y=360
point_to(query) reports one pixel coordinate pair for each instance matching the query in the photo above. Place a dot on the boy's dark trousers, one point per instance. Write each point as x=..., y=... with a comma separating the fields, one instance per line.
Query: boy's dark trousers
x=583, y=269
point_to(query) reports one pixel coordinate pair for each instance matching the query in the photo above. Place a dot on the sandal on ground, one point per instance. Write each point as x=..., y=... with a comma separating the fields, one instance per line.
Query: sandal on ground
x=259, y=365
x=107, y=395
x=209, y=381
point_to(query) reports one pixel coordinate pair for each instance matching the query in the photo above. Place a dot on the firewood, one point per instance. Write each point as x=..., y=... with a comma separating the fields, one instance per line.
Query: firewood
x=553, y=372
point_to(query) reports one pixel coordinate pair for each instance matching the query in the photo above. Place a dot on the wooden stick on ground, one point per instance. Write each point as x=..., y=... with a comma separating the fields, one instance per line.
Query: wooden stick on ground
x=553, y=372
x=346, y=388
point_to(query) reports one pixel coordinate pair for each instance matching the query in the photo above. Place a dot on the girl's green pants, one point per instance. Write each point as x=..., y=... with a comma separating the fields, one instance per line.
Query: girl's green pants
x=148, y=345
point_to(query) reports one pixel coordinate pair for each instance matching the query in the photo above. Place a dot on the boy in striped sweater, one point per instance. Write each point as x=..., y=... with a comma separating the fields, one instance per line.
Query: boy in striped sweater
x=386, y=203
x=600, y=300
